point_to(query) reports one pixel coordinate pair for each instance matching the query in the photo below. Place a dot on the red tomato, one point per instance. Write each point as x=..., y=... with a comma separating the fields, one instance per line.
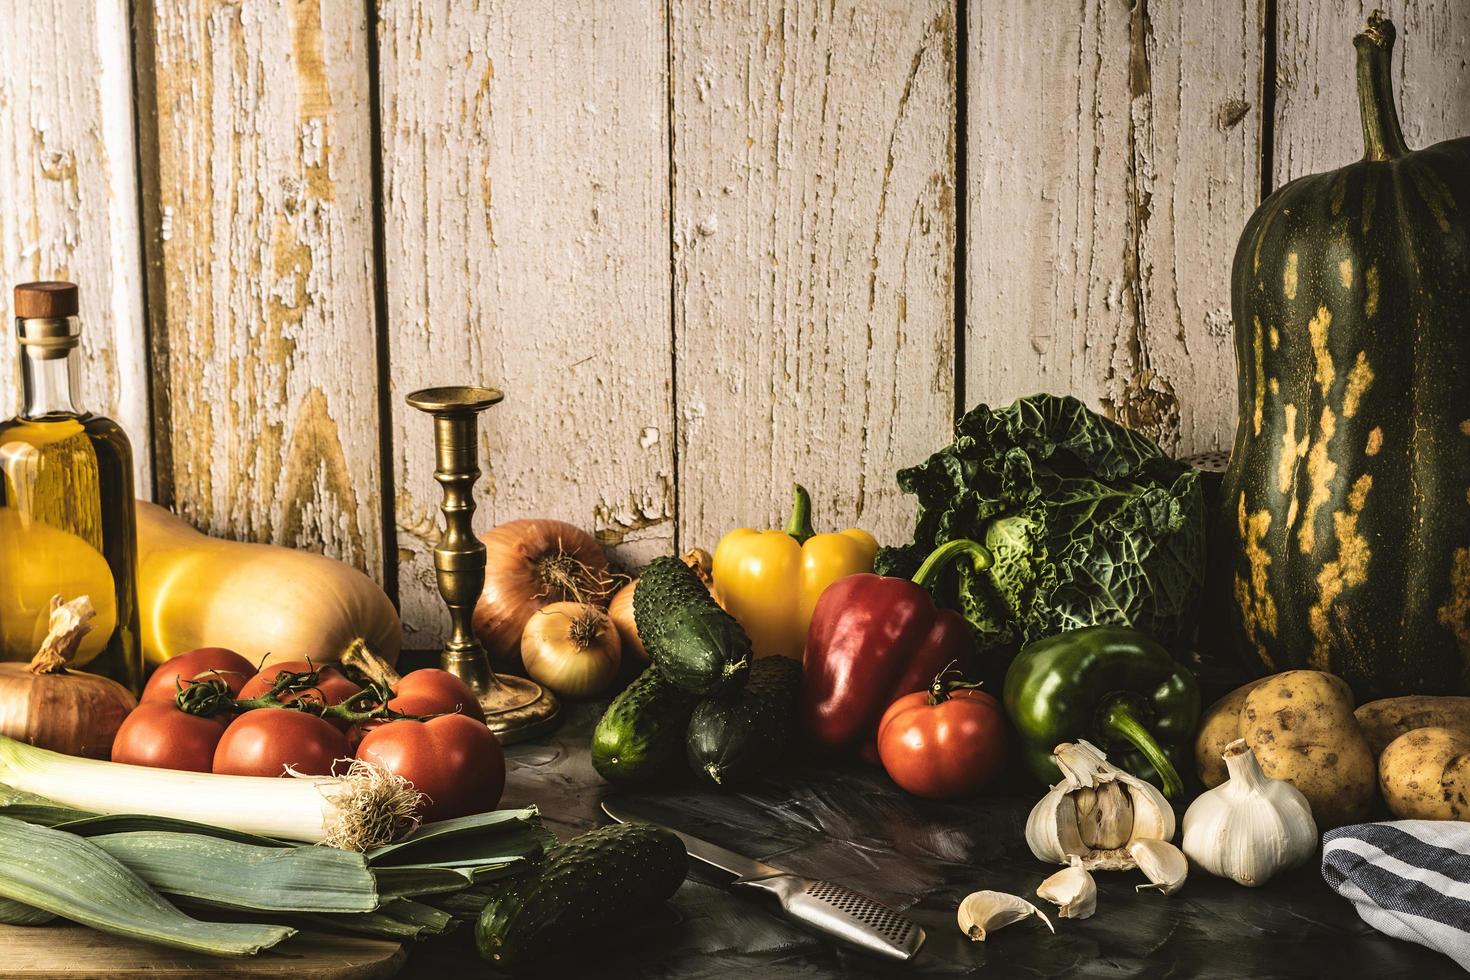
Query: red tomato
x=432, y=691
x=453, y=760
x=158, y=734
x=332, y=685
x=233, y=669
x=429, y=691
x=265, y=741
x=943, y=749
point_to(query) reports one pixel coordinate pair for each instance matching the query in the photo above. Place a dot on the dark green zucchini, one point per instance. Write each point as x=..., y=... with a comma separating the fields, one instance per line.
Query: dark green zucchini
x=735, y=738
x=640, y=738
x=606, y=876
x=695, y=644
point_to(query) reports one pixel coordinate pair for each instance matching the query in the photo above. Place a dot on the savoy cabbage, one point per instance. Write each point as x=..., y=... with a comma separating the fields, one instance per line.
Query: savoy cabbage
x=1087, y=522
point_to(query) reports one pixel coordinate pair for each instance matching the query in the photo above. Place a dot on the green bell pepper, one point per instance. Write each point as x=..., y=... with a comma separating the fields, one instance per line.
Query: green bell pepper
x=1114, y=686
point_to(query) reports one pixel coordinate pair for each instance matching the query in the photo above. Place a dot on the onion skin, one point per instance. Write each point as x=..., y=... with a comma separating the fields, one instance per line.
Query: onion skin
x=620, y=611
x=71, y=712
x=516, y=583
x=572, y=648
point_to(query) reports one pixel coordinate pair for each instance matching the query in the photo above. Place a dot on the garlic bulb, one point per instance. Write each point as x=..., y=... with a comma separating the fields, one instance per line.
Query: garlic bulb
x=1162, y=863
x=1095, y=812
x=1251, y=826
x=1071, y=890
x=982, y=913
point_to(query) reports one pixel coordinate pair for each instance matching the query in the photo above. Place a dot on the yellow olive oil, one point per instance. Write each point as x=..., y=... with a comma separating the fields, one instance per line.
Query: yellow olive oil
x=66, y=501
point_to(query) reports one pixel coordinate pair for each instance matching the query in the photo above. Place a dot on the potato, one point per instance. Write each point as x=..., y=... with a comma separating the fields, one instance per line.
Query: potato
x=1220, y=727
x=1300, y=724
x=1385, y=720
x=1425, y=774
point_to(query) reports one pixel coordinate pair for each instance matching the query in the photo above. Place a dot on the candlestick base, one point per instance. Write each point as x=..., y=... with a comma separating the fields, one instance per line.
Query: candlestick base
x=517, y=709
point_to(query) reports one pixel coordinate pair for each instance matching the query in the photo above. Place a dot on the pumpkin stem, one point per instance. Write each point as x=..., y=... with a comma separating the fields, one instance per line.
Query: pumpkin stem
x=69, y=622
x=1382, y=137
x=360, y=657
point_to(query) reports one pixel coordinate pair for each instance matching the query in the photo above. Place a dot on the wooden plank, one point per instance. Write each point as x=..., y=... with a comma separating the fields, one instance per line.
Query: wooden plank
x=1317, y=126
x=62, y=951
x=526, y=190
x=1113, y=161
x=814, y=257
x=258, y=217
x=69, y=195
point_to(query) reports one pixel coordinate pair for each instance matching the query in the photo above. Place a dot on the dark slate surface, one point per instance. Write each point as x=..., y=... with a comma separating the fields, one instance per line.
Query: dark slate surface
x=852, y=825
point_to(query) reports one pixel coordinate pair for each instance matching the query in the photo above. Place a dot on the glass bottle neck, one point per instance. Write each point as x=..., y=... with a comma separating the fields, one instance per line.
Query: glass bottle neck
x=49, y=385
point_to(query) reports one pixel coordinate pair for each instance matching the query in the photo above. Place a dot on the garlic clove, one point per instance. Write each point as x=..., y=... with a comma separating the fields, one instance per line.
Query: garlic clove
x=1104, y=816
x=1072, y=890
x=1052, y=828
x=982, y=913
x=1163, y=864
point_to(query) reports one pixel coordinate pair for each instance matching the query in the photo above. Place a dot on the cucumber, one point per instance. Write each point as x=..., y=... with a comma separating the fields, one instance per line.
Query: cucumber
x=605, y=876
x=640, y=738
x=695, y=644
x=735, y=738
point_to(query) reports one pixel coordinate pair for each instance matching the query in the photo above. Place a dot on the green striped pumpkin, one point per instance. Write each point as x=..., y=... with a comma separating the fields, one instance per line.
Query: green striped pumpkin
x=1346, y=506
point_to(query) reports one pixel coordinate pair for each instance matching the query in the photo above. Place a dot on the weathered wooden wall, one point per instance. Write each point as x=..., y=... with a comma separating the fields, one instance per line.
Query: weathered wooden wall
x=707, y=247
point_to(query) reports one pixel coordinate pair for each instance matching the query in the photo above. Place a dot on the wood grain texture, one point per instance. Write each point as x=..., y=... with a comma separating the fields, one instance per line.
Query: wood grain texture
x=526, y=195
x=1317, y=126
x=63, y=951
x=814, y=257
x=259, y=222
x=68, y=195
x=1113, y=159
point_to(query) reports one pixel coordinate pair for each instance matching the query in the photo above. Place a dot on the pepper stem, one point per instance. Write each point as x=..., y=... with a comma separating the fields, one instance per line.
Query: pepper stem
x=1118, y=720
x=979, y=556
x=800, y=525
x=1382, y=137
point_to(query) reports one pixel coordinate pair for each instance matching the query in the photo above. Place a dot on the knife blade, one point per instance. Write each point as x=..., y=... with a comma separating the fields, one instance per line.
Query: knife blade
x=824, y=905
x=717, y=857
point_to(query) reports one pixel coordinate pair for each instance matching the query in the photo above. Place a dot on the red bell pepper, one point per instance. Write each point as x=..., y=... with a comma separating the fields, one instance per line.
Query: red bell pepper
x=874, y=639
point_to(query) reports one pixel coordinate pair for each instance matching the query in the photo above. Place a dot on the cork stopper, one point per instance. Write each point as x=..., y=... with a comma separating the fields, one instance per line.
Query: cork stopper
x=45, y=300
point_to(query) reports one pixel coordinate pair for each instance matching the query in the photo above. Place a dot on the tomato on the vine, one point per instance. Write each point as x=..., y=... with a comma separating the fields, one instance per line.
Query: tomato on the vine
x=267, y=741
x=455, y=761
x=158, y=734
x=332, y=686
x=943, y=743
x=431, y=691
x=206, y=662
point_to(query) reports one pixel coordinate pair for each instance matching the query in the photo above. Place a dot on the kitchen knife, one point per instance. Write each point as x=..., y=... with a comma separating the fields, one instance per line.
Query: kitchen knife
x=823, y=905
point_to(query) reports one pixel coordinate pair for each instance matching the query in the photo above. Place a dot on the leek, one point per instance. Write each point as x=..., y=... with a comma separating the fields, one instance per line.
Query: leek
x=399, y=919
x=228, y=874
x=71, y=877
x=366, y=807
x=13, y=913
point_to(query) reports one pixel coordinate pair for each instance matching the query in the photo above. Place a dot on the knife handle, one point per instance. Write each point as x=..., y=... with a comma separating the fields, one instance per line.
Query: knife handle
x=843, y=914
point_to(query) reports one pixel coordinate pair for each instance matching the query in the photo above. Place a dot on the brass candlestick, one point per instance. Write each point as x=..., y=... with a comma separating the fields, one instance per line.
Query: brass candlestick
x=515, y=708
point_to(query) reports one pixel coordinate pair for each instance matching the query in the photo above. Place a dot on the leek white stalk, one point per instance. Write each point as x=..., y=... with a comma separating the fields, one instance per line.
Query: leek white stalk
x=367, y=807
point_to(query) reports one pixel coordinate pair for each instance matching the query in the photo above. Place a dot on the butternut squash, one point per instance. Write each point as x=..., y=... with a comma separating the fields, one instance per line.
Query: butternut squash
x=38, y=561
x=268, y=603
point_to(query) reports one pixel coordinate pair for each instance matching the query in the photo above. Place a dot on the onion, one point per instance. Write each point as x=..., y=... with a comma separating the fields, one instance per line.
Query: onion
x=620, y=611
x=572, y=648
x=530, y=564
x=621, y=608
x=42, y=703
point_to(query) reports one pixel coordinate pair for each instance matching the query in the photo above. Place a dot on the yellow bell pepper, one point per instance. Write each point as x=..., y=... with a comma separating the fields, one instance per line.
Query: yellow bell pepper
x=770, y=580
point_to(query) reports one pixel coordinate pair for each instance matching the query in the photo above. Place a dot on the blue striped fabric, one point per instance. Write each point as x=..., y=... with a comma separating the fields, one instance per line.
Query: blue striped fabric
x=1408, y=878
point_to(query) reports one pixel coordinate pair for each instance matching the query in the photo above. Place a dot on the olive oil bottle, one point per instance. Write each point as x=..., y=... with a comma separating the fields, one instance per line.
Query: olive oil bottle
x=66, y=499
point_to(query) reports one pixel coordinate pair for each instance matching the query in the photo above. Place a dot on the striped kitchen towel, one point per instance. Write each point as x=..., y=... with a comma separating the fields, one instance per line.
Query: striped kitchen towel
x=1407, y=878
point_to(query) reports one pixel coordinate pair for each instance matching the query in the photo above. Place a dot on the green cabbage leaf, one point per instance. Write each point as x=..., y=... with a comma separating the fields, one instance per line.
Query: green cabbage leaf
x=1087, y=522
